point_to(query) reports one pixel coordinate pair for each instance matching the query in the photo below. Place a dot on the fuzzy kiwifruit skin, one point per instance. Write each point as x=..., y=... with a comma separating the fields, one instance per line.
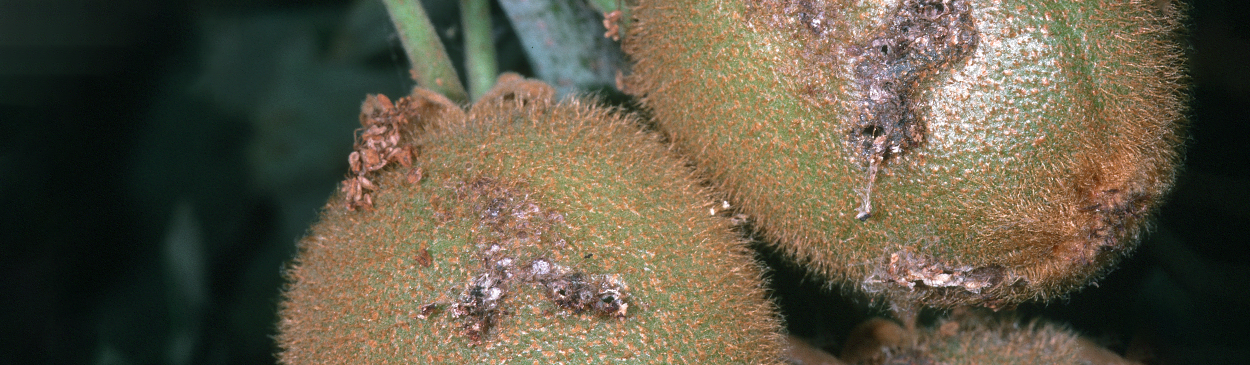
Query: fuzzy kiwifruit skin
x=989, y=341
x=968, y=336
x=629, y=209
x=1044, y=154
x=980, y=338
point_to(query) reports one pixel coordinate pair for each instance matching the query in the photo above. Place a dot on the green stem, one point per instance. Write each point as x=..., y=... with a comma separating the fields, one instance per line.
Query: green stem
x=479, y=46
x=431, y=67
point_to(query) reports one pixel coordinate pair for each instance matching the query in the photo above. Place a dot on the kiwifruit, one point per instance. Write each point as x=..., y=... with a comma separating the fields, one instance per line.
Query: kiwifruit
x=521, y=231
x=981, y=338
x=939, y=151
x=963, y=336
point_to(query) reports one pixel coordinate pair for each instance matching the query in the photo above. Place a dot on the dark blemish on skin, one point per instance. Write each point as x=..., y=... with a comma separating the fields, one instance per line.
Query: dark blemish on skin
x=914, y=271
x=424, y=258
x=482, y=300
x=813, y=18
x=427, y=310
x=1115, y=212
x=480, y=303
x=511, y=221
x=921, y=39
x=990, y=275
x=579, y=292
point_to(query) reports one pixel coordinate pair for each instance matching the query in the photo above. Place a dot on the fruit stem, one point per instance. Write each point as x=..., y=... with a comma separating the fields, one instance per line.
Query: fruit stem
x=479, y=46
x=431, y=67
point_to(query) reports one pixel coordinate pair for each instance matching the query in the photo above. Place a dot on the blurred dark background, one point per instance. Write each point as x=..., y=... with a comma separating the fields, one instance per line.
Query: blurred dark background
x=159, y=159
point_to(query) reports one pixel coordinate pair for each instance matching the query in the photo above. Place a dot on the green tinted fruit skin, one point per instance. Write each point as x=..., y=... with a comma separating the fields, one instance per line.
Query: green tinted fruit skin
x=987, y=341
x=1044, y=153
x=629, y=210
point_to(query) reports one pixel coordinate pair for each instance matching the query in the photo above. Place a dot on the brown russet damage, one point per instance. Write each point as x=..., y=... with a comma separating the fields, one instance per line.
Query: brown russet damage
x=424, y=258
x=1112, y=218
x=427, y=310
x=480, y=301
x=819, y=24
x=921, y=39
x=510, y=222
x=918, y=272
x=1115, y=213
x=579, y=292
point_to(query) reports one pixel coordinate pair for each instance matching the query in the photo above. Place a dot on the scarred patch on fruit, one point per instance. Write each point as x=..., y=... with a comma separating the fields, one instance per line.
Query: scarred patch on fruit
x=921, y=39
x=914, y=272
x=510, y=224
x=890, y=67
x=827, y=31
x=1115, y=212
x=577, y=291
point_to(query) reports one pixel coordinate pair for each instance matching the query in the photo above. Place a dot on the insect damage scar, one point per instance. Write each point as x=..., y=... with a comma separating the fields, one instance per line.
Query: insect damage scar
x=921, y=39
x=515, y=233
